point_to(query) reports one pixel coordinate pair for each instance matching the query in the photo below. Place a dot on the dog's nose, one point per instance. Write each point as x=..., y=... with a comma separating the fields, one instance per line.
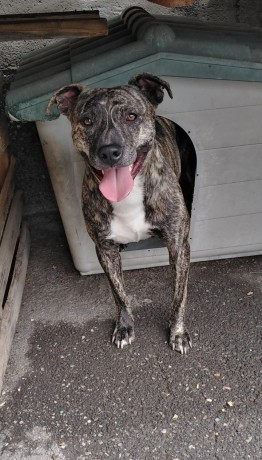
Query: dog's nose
x=110, y=154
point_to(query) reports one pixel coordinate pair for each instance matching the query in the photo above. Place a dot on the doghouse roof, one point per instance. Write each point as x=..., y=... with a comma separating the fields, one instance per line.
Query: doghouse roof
x=137, y=41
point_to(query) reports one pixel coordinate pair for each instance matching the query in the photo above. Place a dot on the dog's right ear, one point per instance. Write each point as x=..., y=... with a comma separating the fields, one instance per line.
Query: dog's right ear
x=65, y=98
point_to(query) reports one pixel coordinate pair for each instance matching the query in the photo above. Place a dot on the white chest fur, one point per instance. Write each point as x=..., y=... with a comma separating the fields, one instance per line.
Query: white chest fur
x=128, y=223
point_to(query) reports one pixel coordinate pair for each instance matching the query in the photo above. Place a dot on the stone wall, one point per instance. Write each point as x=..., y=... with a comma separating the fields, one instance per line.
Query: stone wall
x=243, y=11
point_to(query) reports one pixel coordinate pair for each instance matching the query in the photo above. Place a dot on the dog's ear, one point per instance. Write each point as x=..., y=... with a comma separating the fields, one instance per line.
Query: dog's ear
x=65, y=98
x=152, y=87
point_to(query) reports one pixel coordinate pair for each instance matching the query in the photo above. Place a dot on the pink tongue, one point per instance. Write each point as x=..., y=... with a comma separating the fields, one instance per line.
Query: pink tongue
x=116, y=184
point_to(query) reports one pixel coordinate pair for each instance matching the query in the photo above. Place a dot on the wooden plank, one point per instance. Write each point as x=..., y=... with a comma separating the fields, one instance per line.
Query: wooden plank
x=4, y=141
x=27, y=17
x=12, y=305
x=52, y=25
x=9, y=241
x=4, y=163
x=172, y=3
x=6, y=195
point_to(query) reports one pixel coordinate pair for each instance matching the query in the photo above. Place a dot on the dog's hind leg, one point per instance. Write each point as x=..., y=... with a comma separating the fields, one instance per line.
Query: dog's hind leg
x=110, y=260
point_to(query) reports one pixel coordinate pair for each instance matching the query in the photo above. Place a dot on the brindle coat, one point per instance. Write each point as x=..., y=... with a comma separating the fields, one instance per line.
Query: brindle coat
x=100, y=118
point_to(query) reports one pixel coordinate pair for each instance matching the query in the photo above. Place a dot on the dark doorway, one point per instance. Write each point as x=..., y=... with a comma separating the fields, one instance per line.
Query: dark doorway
x=188, y=165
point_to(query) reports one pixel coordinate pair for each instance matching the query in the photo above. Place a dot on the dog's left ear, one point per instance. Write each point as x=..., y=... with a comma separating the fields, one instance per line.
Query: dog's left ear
x=152, y=87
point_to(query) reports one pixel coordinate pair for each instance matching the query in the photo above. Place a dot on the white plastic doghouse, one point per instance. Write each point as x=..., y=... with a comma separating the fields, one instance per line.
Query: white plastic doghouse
x=217, y=101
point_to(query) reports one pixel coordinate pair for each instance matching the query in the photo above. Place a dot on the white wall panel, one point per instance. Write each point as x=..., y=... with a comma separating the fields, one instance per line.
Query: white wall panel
x=238, y=198
x=228, y=127
x=233, y=164
x=192, y=94
x=227, y=233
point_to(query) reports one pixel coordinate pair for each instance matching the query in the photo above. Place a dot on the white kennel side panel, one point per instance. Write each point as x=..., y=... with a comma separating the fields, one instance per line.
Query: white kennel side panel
x=223, y=119
x=66, y=170
x=221, y=128
x=227, y=237
x=230, y=164
x=197, y=94
x=227, y=208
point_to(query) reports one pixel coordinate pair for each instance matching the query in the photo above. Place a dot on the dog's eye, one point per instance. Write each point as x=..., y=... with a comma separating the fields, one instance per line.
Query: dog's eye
x=88, y=122
x=131, y=117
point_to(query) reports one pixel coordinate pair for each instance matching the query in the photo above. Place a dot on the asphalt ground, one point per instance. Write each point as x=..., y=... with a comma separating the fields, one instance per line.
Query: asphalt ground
x=70, y=394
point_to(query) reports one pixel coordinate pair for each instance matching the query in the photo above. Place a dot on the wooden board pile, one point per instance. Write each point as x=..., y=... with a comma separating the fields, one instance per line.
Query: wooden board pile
x=14, y=250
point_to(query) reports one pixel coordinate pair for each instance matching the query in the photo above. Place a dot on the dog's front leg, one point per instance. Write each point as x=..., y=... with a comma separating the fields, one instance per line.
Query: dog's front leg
x=110, y=260
x=179, y=256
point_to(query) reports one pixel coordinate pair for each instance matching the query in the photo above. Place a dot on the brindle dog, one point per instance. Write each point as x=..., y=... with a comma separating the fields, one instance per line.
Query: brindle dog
x=131, y=187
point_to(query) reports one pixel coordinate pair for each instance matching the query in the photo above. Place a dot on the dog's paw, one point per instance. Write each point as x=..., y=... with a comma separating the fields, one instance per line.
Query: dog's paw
x=180, y=341
x=123, y=335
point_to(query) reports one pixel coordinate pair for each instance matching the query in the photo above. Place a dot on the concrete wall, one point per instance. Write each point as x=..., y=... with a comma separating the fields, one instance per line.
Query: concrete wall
x=245, y=11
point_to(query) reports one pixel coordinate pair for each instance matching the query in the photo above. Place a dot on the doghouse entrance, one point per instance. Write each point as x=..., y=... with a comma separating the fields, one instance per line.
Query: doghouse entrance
x=187, y=183
x=188, y=166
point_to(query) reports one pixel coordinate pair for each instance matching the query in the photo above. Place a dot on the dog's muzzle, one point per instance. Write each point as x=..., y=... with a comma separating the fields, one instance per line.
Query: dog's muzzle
x=116, y=182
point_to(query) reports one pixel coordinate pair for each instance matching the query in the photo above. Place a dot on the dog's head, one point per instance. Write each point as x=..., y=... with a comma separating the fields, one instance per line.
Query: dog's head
x=113, y=129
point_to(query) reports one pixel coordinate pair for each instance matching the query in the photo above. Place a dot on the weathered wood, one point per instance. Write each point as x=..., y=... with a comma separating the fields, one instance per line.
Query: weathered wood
x=6, y=195
x=91, y=14
x=13, y=302
x=173, y=3
x=8, y=243
x=52, y=25
x=4, y=157
x=4, y=163
x=4, y=141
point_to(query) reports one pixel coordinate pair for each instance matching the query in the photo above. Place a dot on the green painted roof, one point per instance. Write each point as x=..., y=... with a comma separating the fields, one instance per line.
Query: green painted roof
x=137, y=41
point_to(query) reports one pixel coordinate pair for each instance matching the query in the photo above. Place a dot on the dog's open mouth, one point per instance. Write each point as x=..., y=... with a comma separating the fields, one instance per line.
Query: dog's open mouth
x=117, y=183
